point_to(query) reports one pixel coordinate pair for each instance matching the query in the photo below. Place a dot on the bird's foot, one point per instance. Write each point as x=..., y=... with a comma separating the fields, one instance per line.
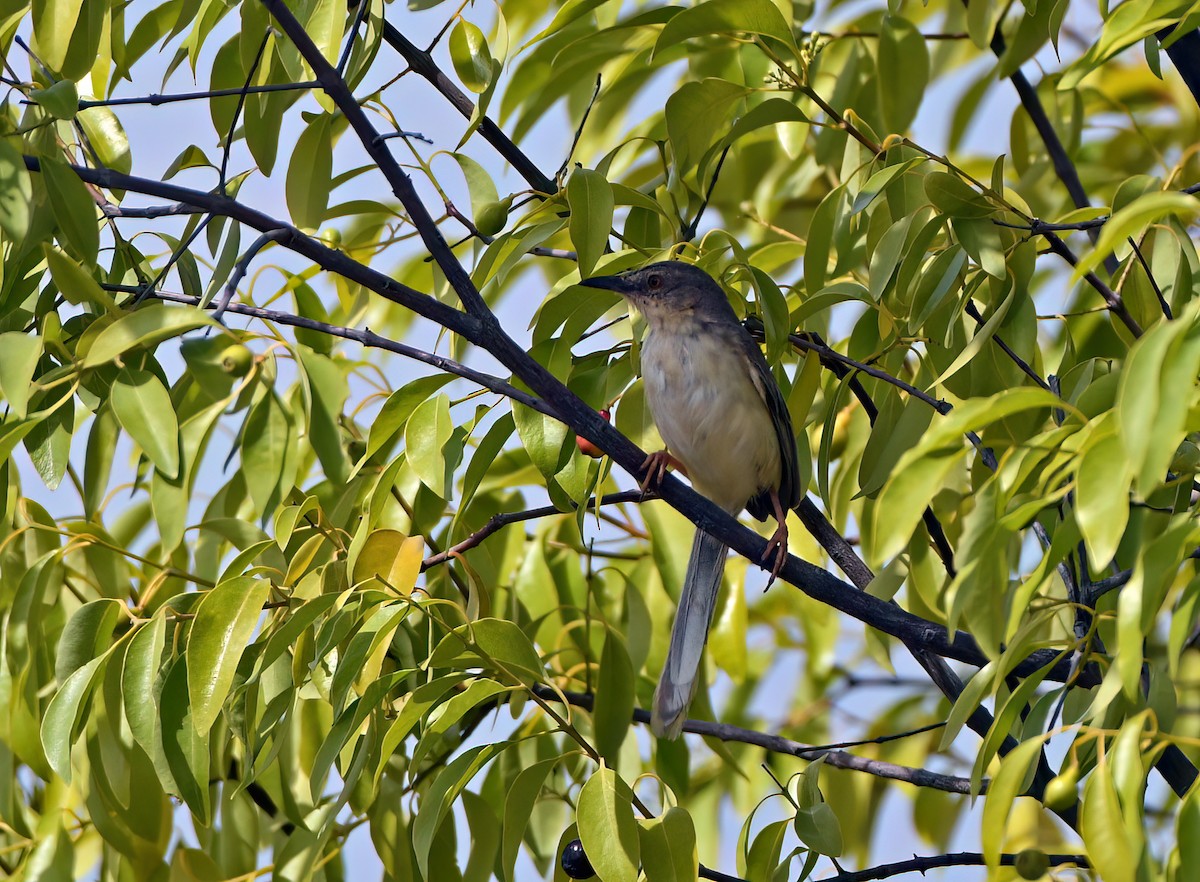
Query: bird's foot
x=655, y=468
x=777, y=545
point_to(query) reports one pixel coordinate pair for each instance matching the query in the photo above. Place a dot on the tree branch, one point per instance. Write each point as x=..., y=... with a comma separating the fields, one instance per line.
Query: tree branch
x=369, y=338
x=778, y=744
x=498, y=522
x=423, y=65
x=933, y=861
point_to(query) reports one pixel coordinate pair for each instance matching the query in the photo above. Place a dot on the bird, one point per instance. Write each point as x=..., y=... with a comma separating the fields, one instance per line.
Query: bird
x=726, y=426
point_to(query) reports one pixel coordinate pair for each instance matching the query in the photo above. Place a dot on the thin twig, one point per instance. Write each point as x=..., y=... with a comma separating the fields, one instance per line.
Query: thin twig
x=369, y=338
x=155, y=100
x=422, y=64
x=778, y=744
x=242, y=267
x=498, y=522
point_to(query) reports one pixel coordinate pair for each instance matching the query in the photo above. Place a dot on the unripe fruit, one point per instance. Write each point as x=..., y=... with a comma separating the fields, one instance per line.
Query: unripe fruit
x=1032, y=863
x=236, y=360
x=1062, y=791
x=330, y=237
x=575, y=863
x=493, y=216
x=586, y=447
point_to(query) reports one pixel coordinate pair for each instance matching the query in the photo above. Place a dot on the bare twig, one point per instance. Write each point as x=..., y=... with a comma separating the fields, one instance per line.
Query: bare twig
x=423, y=65
x=155, y=100
x=498, y=522
x=933, y=861
x=243, y=265
x=778, y=744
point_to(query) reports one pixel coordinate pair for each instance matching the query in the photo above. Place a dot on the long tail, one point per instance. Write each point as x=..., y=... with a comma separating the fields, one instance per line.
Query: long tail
x=677, y=684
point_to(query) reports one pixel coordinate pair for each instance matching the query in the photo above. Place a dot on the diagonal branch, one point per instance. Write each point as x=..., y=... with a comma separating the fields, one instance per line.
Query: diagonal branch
x=402, y=186
x=818, y=583
x=933, y=861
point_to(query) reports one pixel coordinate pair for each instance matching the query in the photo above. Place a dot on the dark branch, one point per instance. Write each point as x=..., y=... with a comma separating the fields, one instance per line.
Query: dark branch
x=368, y=338
x=423, y=65
x=778, y=744
x=500, y=521
x=933, y=861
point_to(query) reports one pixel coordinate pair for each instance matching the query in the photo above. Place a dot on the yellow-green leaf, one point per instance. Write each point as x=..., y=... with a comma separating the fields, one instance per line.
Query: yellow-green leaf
x=225, y=620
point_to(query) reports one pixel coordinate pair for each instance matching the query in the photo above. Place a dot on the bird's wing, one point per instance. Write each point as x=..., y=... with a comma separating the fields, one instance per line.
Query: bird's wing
x=789, y=469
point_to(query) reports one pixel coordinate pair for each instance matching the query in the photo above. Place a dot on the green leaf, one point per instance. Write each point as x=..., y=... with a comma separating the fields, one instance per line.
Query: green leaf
x=61, y=100
x=399, y=408
x=142, y=405
x=818, y=828
x=75, y=283
x=148, y=326
x=1131, y=221
x=470, y=55
x=542, y=436
x=1015, y=770
x=225, y=619
x=107, y=137
x=88, y=634
x=74, y=209
x=266, y=436
x=490, y=640
x=440, y=797
x=903, y=72
x=1102, y=500
x=328, y=390
x=668, y=847
x=727, y=17
x=518, y=808
x=615, y=698
x=697, y=112
x=16, y=192
x=591, y=201
x=480, y=186
x=604, y=815
x=21, y=354
x=953, y=196
x=142, y=662
x=48, y=439
x=310, y=174
x=1103, y=828
x=64, y=716
x=185, y=747
x=54, y=23
x=425, y=437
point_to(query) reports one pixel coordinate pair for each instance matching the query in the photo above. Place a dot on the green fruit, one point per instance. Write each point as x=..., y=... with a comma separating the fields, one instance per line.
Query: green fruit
x=1032, y=863
x=1062, y=791
x=493, y=216
x=237, y=360
x=330, y=237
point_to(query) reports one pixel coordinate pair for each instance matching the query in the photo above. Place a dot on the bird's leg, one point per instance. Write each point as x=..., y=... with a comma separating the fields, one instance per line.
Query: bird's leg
x=777, y=545
x=656, y=466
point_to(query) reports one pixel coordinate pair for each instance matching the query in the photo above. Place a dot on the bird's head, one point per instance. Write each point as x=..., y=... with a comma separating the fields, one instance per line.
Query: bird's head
x=668, y=291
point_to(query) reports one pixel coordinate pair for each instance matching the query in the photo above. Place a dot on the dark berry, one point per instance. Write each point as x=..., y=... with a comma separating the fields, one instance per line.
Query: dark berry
x=575, y=863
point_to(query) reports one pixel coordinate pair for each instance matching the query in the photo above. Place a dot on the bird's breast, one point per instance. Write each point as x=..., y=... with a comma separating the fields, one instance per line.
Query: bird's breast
x=710, y=414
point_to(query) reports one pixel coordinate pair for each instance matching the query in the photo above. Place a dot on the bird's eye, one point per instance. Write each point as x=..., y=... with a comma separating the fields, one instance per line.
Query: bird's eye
x=654, y=282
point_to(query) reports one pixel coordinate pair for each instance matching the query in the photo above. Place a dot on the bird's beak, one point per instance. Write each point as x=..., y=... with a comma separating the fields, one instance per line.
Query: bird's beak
x=620, y=284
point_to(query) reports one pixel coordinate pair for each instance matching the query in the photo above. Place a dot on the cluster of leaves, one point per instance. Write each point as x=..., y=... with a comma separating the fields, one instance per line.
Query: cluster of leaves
x=278, y=593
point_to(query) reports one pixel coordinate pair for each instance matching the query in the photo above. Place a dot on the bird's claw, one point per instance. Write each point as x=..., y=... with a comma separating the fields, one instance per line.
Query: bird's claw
x=655, y=468
x=777, y=545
